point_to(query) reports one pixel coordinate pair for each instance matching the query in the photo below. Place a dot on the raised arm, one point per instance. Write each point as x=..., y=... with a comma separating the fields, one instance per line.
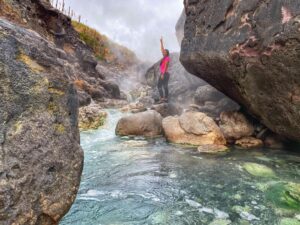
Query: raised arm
x=162, y=45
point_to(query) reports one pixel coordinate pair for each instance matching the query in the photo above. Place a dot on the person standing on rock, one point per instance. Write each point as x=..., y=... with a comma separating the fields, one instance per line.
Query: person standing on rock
x=164, y=75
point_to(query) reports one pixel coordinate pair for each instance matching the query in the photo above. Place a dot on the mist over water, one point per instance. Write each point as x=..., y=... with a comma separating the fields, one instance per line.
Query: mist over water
x=136, y=24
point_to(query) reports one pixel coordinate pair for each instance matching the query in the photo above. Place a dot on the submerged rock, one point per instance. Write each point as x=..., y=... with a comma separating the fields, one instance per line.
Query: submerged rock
x=40, y=157
x=91, y=117
x=289, y=221
x=193, y=128
x=284, y=196
x=212, y=148
x=259, y=170
x=234, y=125
x=148, y=124
x=248, y=50
x=220, y=222
x=249, y=142
x=134, y=144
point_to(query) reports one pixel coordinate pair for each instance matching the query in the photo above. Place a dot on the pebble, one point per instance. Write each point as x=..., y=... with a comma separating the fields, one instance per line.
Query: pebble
x=248, y=216
x=179, y=213
x=206, y=210
x=193, y=203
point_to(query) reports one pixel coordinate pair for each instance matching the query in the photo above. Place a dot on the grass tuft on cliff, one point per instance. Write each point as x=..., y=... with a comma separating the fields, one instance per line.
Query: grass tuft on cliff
x=104, y=49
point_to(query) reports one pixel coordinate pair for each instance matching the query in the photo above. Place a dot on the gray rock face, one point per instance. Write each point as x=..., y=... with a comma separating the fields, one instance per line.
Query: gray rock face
x=212, y=102
x=180, y=27
x=56, y=27
x=167, y=109
x=40, y=157
x=186, y=89
x=148, y=124
x=248, y=50
x=235, y=125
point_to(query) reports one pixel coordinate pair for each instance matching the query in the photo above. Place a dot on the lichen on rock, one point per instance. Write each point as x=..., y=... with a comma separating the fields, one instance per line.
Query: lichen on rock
x=40, y=157
x=91, y=117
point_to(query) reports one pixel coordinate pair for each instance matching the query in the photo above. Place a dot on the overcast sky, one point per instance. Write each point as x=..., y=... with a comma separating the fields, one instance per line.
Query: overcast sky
x=137, y=24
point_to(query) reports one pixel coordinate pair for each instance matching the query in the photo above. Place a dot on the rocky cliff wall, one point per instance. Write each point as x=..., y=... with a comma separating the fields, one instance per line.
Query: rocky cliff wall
x=249, y=50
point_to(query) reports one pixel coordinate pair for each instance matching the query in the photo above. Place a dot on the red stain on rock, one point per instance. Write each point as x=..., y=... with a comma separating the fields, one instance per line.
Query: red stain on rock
x=246, y=49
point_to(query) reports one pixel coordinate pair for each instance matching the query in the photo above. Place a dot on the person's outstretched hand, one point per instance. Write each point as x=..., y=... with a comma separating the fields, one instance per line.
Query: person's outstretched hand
x=161, y=39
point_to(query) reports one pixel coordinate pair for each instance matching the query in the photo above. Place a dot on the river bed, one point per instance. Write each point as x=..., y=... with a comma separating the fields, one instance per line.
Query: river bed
x=134, y=181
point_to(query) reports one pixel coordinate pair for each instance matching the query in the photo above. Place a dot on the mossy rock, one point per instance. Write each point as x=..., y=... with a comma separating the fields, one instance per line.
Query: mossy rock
x=93, y=123
x=259, y=170
x=289, y=221
x=220, y=222
x=285, y=196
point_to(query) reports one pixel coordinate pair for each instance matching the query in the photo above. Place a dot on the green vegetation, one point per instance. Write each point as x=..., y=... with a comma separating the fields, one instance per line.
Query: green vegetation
x=259, y=170
x=104, y=49
x=289, y=221
x=285, y=196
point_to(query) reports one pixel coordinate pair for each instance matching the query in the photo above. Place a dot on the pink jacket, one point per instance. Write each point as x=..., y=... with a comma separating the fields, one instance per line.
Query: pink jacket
x=163, y=64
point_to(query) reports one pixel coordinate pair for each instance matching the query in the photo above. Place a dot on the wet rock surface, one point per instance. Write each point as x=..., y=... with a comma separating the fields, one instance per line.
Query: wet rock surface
x=91, y=117
x=148, y=124
x=40, y=157
x=193, y=128
x=248, y=50
x=249, y=142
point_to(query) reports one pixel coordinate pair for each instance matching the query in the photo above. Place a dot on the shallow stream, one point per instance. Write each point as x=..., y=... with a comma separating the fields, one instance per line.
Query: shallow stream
x=137, y=181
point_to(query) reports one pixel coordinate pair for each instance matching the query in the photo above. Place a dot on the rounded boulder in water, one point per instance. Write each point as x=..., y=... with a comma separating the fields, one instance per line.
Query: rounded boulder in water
x=148, y=124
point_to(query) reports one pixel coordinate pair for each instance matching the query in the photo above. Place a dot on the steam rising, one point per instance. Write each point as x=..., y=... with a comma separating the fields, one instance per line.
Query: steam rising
x=136, y=24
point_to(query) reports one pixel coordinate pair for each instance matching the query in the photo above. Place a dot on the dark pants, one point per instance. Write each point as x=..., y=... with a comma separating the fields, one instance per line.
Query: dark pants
x=163, y=84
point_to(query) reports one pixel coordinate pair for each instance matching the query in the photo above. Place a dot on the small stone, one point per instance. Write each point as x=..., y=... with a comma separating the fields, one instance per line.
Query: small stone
x=193, y=203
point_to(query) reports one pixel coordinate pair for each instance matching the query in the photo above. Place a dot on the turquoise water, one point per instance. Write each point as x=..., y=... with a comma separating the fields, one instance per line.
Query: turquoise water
x=137, y=181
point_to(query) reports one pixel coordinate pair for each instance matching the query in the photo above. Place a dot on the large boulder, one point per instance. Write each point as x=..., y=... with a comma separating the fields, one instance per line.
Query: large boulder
x=234, y=125
x=40, y=157
x=193, y=128
x=249, y=50
x=148, y=124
